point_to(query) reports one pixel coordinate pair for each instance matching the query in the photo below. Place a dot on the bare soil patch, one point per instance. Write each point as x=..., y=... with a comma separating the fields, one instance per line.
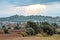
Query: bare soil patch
x=19, y=37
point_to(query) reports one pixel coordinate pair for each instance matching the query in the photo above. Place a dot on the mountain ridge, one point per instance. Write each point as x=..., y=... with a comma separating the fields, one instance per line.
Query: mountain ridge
x=37, y=18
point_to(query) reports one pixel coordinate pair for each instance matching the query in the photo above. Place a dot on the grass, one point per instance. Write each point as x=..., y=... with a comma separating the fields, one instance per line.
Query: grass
x=38, y=37
x=58, y=29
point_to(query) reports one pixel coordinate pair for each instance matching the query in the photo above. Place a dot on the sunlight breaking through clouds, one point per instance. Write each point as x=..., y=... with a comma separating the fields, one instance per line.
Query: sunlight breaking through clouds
x=32, y=9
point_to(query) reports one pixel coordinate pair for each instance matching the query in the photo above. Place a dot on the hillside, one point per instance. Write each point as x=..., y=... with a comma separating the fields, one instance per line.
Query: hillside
x=17, y=18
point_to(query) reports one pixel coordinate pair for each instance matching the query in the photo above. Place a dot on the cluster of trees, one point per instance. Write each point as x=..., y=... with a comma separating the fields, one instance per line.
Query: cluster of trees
x=6, y=29
x=33, y=28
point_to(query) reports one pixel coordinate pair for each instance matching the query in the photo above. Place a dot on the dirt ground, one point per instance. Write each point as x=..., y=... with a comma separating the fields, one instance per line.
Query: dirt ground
x=19, y=37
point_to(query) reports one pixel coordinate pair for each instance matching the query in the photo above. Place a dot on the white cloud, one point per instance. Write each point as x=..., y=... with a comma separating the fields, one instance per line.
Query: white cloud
x=8, y=10
x=52, y=9
x=32, y=9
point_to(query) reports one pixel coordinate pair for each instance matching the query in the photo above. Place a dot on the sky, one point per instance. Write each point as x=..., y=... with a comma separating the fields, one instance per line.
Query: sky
x=29, y=7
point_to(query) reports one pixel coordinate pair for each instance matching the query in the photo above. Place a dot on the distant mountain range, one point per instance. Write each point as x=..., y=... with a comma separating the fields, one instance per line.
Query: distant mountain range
x=17, y=18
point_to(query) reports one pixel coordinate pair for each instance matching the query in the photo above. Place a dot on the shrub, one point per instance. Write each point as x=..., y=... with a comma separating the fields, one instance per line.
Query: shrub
x=30, y=31
x=44, y=34
x=3, y=27
x=24, y=34
x=58, y=32
x=33, y=25
x=5, y=31
x=16, y=28
x=47, y=28
x=32, y=28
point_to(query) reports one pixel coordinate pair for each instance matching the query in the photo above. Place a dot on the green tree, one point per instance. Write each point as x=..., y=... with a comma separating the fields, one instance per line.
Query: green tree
x=5, y=30
x=47, y=28
x=54, y=24
x=3, y=27
x=33, y=25
x=30, y=31
x=17, y=27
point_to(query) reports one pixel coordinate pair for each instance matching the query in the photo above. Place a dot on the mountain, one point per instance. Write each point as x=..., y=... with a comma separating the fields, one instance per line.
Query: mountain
x=17, y=18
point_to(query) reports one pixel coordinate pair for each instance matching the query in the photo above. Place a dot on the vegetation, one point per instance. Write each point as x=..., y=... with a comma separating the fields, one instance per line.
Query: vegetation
x=47, y=28
x=33, y=25
x=44, y=28
x=24, y=34
x=58, y=31
x=5, y=29
x=39, y=18
x=30, y=31
x=17, y=27
x=34, y=28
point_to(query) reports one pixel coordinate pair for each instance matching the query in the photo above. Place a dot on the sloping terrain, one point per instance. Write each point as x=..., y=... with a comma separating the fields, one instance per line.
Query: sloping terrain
x=17, y=18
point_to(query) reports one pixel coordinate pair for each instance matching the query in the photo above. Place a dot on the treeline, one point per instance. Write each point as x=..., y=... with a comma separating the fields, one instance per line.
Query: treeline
x=34, y=28
x=43, y=28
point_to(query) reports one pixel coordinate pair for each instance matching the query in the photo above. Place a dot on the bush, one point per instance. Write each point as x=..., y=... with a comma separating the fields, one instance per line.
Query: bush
x=3, y=27
x=44, y=34
x=24, y=34
x=30, y=31
x=49, y=29
x=16, y=28
x=34, y=26
x=58, y=32
x=6, y=31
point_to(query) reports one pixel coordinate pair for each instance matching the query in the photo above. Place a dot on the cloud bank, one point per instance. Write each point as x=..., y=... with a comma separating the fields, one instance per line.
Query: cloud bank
x=31, y=9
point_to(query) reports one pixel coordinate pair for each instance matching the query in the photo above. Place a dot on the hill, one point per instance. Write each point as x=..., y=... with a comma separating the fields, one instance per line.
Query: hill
x=36, y=18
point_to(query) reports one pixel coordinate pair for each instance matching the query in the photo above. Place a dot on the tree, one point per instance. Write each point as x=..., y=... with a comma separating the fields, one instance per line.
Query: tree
x=47, y=28
x=45, y=23
x=9, y=27
x=54, y=24
x=5, y=29
x=17, y=27
x=33, y=25
x=30, y=31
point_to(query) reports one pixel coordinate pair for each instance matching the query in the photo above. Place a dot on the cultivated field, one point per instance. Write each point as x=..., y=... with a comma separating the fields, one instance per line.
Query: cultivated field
x=19, y=37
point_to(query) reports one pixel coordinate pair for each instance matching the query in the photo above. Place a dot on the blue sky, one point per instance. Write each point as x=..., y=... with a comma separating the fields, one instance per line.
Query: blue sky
x=44, y=7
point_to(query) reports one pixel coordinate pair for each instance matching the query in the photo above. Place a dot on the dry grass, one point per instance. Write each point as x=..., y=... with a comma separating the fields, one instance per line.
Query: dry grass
x=18, y=37
x=58, y=29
